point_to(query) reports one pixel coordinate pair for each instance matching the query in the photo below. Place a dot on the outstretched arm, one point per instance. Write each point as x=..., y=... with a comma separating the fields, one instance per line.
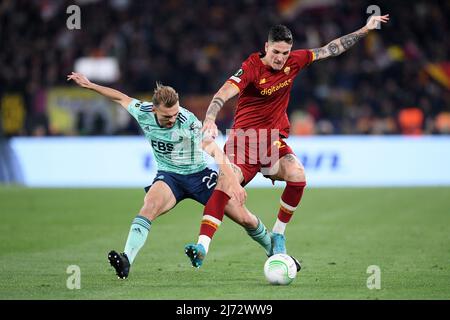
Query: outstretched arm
x=225, y=93
x=337, y=46
x=110, y=93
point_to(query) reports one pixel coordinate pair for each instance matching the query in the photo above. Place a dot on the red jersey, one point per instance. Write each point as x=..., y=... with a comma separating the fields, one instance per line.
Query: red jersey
x=264, y=93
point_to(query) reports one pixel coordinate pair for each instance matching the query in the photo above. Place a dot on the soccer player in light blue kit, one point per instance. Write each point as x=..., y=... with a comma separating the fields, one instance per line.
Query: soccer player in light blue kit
x=177, y=142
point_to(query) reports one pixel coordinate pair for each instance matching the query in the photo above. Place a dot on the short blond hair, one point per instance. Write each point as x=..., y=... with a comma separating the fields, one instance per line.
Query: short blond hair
x=164, y=96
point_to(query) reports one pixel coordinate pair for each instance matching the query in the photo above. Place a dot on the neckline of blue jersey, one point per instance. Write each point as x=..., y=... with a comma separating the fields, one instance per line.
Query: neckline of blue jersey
x=157, y=122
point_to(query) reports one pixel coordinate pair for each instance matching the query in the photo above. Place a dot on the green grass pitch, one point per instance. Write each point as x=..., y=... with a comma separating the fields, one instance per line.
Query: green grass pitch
x=336, y=233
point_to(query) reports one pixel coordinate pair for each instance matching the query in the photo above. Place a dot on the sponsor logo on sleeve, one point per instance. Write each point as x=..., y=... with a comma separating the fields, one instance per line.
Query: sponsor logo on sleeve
x=237, y=75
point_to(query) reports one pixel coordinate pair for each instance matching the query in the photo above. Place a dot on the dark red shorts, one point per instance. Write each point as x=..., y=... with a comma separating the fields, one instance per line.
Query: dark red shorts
x=252, y=155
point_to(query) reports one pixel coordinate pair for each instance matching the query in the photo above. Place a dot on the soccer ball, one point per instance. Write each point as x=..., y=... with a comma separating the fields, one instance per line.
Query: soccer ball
x=280, y=269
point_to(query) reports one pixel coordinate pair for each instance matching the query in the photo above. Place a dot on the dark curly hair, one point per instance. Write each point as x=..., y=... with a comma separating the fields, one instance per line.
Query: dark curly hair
x=279, y=33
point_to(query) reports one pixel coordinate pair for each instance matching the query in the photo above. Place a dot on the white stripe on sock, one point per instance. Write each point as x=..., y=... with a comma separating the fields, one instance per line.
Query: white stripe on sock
x=284, y=204
x=212, y=219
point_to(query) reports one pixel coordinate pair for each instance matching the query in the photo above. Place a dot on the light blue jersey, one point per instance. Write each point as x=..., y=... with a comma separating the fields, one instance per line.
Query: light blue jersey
x=177, y=149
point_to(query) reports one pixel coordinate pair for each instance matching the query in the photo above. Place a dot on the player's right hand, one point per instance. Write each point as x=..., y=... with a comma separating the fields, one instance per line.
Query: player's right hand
x=209, y=128
x=79, y=79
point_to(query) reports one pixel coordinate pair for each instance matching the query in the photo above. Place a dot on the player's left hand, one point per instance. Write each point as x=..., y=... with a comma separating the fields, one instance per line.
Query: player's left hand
x=374, y=21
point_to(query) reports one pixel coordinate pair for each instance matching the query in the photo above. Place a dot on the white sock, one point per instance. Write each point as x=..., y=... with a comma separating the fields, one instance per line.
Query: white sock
x=279, y=227
x=204, y=241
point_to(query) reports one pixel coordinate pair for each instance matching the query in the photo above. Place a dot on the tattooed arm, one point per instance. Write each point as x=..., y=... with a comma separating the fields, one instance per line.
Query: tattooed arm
x=226, y=92
x=337, y=46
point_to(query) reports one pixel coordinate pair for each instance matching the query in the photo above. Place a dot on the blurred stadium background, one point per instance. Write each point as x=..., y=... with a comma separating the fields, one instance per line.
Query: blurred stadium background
x=395, y=82
x=376, y=116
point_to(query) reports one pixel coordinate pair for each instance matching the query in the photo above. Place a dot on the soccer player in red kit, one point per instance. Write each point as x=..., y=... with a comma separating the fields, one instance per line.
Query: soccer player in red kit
x=256, y=141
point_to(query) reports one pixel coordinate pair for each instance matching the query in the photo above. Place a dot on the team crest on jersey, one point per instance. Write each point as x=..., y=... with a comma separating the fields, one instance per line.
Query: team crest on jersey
x=278, y=144
x=194, y=127
x=287, y=70
x=262, y=81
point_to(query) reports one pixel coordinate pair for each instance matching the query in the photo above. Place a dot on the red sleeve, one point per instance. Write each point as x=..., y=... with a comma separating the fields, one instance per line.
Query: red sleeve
x=243, y=77
x=302, y=57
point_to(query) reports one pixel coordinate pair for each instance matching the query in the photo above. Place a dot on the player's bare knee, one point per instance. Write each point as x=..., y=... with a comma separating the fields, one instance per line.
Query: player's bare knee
x=292, y=170
x=151, y=209
x=296, y=175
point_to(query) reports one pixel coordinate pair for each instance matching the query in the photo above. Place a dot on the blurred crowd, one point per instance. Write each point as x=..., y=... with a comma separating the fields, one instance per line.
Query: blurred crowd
x=395, y=81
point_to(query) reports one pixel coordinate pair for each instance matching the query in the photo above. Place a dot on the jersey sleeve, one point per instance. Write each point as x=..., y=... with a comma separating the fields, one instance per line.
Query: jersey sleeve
x=302, y=57
x=243, y=77
x=137, y=107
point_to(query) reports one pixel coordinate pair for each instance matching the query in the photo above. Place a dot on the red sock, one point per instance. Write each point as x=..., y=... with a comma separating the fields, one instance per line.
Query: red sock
x=290, y=199
x=213, y=213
